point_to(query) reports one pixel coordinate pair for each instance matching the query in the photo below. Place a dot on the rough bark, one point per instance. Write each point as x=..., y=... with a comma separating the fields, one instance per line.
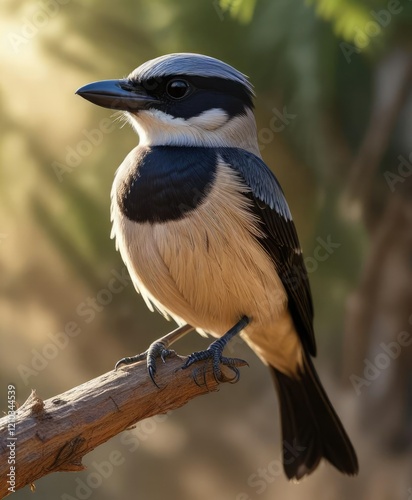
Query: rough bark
x=55, y=434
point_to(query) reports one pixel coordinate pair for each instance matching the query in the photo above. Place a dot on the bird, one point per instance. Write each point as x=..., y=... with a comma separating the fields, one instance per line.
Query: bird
x=208, y=238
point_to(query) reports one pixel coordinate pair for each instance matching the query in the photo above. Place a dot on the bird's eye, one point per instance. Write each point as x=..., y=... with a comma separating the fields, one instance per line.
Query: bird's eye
x=177, y=89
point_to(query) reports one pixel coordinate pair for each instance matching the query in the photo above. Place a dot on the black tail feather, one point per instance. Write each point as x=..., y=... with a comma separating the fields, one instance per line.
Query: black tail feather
x=311, y=428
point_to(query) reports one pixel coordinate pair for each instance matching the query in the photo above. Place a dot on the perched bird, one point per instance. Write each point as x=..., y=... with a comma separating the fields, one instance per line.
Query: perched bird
x=208, y=238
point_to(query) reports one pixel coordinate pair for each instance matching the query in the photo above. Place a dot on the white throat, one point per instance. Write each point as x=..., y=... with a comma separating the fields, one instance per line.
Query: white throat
x=213, y=128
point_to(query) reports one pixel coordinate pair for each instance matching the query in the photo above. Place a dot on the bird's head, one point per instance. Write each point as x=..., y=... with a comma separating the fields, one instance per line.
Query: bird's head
x=183, y=99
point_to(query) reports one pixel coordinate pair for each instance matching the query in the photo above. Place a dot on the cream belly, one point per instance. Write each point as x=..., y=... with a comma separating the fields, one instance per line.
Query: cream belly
x=208, y=270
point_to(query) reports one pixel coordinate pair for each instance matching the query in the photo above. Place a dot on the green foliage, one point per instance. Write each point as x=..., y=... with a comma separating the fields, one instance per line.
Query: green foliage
x=346, y=16
x=240, y=9
x=355, y=21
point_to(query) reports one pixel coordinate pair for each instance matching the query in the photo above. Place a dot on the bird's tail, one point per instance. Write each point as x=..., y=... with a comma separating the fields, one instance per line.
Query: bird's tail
x=311, y=428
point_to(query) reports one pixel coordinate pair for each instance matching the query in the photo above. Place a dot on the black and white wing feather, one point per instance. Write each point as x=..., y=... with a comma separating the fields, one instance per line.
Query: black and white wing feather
x=280, y=238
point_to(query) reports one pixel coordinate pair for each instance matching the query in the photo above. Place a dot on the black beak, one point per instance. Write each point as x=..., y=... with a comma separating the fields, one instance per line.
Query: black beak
x=117, y=94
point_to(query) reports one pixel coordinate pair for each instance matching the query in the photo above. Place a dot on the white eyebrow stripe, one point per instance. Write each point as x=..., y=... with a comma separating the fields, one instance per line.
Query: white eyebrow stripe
x=210, y=119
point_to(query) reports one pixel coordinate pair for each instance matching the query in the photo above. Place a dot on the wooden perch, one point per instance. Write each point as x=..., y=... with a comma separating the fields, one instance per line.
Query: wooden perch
x=55, y=434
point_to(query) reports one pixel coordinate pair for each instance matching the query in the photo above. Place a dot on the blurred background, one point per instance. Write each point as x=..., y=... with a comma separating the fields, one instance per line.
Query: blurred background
x=334, y=115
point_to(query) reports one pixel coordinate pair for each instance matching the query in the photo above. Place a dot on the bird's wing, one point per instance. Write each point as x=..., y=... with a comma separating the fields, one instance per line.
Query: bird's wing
x=280, y=238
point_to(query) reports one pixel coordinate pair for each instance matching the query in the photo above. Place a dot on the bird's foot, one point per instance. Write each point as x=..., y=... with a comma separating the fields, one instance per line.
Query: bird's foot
x=215, y=353
x=156, y=350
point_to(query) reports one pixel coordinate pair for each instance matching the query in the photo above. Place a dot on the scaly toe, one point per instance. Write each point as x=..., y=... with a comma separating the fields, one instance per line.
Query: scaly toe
x=215, y=355
x=156, y=350
x=232, y=362
x=130, y=360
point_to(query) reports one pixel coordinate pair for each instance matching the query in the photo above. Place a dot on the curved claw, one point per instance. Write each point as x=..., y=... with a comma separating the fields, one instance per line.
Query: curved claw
x=237, y=374
x=121, y=362
x=217, y=376
x=195, y=374
x=152, y=373
x=130, y=360
x=217, y=359
x=155, y=351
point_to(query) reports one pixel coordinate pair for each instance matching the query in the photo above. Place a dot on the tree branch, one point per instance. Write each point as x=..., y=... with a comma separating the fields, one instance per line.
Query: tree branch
x=55, y=434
